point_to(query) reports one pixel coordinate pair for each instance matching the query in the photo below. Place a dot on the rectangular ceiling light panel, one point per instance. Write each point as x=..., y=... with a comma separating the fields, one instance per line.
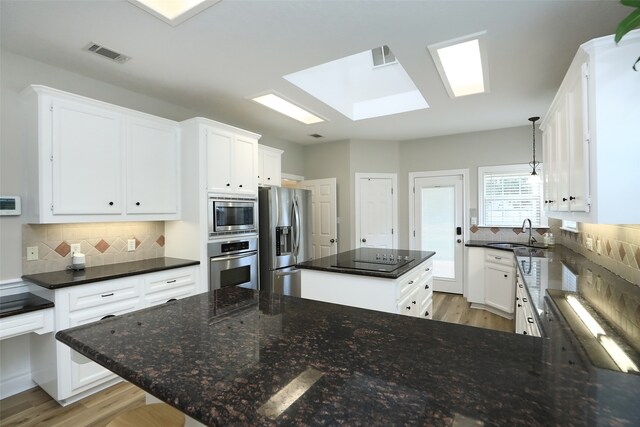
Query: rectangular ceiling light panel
x=463, y=65
x=285, y=107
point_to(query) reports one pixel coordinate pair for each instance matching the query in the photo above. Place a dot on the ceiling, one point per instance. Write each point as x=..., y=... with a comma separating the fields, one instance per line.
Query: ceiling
x=215, y=61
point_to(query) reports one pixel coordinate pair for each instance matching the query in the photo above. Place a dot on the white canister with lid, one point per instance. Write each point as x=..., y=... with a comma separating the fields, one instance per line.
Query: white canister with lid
x=77, y=261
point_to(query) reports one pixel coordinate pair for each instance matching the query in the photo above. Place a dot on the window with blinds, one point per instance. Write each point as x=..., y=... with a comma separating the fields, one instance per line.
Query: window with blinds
x=507, y=196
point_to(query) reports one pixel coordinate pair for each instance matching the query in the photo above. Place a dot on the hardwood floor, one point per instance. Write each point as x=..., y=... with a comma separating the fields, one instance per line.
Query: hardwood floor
x=454, y=308
x=35, y=408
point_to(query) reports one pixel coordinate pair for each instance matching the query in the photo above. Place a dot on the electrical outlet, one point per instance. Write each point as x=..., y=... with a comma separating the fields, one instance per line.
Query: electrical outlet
x=131, y=245
x=75, y=248
x=32, y=253
x=598, y=247
x=589, y=242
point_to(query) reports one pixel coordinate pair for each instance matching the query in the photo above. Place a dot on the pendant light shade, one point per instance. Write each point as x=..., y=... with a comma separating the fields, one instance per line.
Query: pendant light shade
x=534, y=164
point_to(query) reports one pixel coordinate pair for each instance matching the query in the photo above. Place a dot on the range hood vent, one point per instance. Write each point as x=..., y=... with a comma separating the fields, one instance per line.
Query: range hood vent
x=106, y=53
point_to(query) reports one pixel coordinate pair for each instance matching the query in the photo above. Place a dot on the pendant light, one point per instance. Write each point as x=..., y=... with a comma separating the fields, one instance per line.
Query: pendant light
x=534, y=164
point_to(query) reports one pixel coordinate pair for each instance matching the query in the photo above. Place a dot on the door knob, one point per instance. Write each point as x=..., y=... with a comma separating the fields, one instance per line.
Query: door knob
x=364, y=240
x=459, y=241
x=332, y=241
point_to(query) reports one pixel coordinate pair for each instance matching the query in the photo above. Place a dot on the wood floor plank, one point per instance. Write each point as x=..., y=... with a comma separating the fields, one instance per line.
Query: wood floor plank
x=454, y=308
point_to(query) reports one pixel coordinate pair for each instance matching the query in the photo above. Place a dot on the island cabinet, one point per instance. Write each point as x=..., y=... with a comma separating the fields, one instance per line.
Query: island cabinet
x=525, y=320
x=590, y=135
x=65, y=374
x=91, y=161
x=411, y=294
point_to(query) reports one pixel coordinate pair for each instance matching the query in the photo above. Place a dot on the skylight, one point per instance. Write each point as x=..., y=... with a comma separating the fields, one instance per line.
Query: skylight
x=285, y=107
x=174, y=12
x=462, y=64
x=359, y=89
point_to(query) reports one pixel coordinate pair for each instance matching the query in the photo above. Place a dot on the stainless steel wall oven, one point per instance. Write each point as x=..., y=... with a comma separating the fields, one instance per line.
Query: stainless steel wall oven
x=233, y=262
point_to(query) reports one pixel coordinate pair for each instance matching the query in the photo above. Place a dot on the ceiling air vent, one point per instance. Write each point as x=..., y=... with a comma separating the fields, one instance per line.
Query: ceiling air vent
x=316, y=135
x=383, y=56
x=106, y=53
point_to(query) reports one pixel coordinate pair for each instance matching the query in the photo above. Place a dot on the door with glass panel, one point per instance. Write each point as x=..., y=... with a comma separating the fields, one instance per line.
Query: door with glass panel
x=438, y=221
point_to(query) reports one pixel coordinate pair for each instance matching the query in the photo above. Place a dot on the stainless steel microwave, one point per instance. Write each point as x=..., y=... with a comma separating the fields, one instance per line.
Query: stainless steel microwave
x=232, y=215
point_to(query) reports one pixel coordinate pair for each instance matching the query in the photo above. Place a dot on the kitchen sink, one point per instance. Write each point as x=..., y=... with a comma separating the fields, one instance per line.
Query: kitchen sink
x=507, y=245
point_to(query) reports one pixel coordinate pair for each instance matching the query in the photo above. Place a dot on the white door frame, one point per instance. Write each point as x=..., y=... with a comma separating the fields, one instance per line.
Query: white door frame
x=394, y=201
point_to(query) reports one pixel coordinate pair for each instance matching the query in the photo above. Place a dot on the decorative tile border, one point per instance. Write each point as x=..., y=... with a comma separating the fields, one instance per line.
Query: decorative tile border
x=102, y=243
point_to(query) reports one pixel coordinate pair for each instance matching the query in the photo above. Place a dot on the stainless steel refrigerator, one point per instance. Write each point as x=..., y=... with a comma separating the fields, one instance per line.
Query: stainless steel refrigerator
x=284, y=224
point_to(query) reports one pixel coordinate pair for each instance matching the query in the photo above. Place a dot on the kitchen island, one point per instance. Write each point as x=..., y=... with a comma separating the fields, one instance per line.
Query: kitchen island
x=394, y=281
x=236, y=357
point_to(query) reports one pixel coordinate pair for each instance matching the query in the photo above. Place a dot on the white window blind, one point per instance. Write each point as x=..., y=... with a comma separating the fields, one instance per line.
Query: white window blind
x=507, y=196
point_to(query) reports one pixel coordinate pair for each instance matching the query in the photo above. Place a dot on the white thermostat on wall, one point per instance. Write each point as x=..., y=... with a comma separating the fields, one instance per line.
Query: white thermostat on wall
x=10, y=205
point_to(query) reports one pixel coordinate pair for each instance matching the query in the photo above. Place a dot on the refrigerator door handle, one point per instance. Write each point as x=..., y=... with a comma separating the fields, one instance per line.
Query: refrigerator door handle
x=297, y=234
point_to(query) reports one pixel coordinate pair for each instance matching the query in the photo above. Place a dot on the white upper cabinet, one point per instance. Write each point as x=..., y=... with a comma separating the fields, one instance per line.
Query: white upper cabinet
x=153, y=147
x=269, y=166
x=590, y=136
x=232, y=156
x=86, y=152
x=89, y=161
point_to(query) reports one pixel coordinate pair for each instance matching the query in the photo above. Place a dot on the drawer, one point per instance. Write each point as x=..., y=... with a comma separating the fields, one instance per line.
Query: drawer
x=112, y=309
x=499, y=257
x=416, y=278
x=426, y=308
x=166, y=280
x=410, y=305
x=168, y=294
x=98, y=294
x=40, y=322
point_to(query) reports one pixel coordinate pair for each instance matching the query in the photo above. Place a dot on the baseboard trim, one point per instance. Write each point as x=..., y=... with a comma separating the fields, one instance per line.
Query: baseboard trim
x=15, y=385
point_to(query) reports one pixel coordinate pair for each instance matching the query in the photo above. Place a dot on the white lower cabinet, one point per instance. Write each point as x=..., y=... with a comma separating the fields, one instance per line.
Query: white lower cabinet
x=490, y=275
x=410, y=295
x=67, y=375
x=526, y=322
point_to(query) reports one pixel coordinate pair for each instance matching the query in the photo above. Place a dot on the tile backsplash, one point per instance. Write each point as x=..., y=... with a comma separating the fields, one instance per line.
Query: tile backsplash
x=620, y=247
x=504, y=234
x=102, y=243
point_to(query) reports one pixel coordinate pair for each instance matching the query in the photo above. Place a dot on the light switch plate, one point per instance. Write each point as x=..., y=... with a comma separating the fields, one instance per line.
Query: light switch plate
x=75, y=248
x=589, y=242
x=598, y=247
x=131, y=245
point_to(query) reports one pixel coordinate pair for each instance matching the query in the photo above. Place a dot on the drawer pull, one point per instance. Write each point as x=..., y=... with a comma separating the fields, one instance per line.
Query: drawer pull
x=413, y=302
x=108, y=316
x=107, y=295
x=172, y=281
x=427, y=269
x=426, y=286
x=411, y=282
x=530, y=319
x=426, y=313
x=497, y=257
x=524, y=332
x=525, y=300
x=408, y=307
x=519, y=305
x=171, y=300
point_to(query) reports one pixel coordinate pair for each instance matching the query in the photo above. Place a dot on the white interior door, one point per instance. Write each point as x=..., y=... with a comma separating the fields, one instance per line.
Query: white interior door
x=376, y=211
x=325, y=216
x=438, y=221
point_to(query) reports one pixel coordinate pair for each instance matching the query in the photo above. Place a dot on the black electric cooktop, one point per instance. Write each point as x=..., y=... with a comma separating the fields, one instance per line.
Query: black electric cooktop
x=372, y=260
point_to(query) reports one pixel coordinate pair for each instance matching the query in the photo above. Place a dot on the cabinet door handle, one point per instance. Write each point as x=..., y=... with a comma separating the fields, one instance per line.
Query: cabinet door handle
x=137, y=203
x=426, y=286
x=268, y=179
x=172, y=281
x=408, y=307
x=413, y=302
x=519, y=305
x=427, y=269
x=228, y=185
x=524, y=332
x=564, y=199
x=506, y=275
x=240, y=185
x=108, y=316
x=571, y=198
x=364, y=240
x=426, y=314
x=110, y=203
x=411, y=282
x=107, y=295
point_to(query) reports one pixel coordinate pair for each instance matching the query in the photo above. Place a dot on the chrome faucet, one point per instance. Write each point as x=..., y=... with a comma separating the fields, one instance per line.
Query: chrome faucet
x=531, y=238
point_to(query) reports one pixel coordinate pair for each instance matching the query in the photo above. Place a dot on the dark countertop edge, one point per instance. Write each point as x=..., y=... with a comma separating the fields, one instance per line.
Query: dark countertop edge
x=41, y=306
x=44, y=284
x=367, y=273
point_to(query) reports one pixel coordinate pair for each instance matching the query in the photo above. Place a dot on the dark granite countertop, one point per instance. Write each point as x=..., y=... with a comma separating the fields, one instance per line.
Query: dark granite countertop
x=11, y=305
x=344, y=262
x=64, y=278
x=553, y=274
x=228, y=357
